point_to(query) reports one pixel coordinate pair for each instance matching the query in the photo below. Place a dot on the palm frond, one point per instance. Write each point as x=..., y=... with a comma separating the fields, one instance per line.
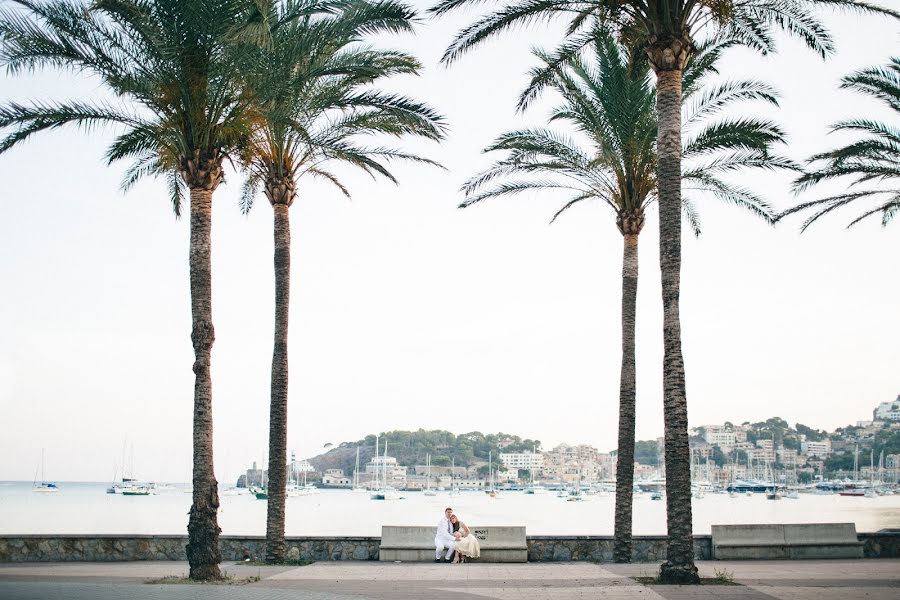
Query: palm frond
x=609, y=100
x=570, y=204
x=873, y=159
x=689, y=211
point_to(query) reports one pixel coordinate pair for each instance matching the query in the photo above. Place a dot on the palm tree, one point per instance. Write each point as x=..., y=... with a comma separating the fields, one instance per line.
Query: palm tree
x=869, y=160
x=667, y=29
x=312, y=92
x=609, y=101
x=173, y=68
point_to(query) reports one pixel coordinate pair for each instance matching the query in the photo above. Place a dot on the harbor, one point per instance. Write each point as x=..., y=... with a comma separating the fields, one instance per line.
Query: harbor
x=81, y=508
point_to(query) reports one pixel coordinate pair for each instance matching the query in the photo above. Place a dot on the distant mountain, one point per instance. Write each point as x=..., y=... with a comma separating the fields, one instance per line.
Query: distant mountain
x=411, y=447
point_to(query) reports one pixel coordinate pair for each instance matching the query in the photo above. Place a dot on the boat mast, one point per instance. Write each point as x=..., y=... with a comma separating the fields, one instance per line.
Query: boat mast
x=872, y=467
x=490, y=470
x=531, y=466
x=384, y=465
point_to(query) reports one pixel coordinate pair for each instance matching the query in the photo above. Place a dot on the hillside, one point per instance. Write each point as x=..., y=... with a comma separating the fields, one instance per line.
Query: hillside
x=411, y=447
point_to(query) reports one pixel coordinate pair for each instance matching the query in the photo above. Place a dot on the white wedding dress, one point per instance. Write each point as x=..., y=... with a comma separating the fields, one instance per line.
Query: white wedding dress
x=468, y=545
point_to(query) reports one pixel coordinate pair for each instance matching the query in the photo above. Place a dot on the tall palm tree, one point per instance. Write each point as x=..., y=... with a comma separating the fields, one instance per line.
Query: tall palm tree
x=173, y=68
x=667, y=29
x=313, y=95
x=870, y=161
x=609, y=101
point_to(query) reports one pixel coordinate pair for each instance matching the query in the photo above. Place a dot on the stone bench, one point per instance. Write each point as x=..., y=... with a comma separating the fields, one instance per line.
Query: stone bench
x=784, y=542
x=416, y=544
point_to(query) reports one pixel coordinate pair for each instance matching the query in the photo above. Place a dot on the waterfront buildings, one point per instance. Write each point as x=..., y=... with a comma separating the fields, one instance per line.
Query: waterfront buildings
x=336, y=478
x=887, y=411
x=819, y=449
x=530, y=461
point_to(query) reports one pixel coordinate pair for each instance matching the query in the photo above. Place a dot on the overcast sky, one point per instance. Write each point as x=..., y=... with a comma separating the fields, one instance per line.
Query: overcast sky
x=407, y=312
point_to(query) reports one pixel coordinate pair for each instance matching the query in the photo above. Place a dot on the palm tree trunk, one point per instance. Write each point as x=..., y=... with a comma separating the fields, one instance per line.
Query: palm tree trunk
x=278, y=409
x=203, y=529
x=627, y=386
x=679, y=566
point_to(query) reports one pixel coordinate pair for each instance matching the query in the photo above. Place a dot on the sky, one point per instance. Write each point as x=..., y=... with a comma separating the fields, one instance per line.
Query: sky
x=409, y=313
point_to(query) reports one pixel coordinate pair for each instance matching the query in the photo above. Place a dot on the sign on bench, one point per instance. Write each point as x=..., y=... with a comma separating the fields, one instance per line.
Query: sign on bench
x=796, y=541
x=416, y=544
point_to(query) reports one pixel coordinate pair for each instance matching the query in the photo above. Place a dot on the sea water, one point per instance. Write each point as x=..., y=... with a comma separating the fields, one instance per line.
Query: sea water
x=83, y=508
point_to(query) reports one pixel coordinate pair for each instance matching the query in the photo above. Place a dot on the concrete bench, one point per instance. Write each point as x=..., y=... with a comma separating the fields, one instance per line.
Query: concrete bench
x=416, y=544
x=782, y=542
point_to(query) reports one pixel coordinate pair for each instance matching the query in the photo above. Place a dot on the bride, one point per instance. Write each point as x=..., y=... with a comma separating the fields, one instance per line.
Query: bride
x=467, y=545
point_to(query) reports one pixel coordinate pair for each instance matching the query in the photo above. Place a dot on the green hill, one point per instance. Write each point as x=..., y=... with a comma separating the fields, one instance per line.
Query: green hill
x=411, y=447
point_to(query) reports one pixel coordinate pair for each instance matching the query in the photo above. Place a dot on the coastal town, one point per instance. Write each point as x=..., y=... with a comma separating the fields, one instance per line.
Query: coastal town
x=771, y=451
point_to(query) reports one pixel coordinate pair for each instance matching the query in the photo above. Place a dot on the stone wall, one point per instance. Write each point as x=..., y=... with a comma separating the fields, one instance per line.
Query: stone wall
x=883, y=544
x=547, y=548
x=53, y=548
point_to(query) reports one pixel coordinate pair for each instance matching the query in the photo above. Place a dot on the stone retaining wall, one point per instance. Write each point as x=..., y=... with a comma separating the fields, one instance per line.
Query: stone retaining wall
x=59, y=548
x=882, y=544
x=52, y=548
x=548, y=548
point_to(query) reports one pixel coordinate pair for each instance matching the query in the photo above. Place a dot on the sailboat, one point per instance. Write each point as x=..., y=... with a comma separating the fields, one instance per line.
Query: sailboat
x=356, y=486
x=130, y=486
x=385, y=492
x=773, y=493
x=534, y=489
x=855, y=490
x=870, y=492
x=308, y=489
x=261, y=492
x=454, y=490
x=696, y=485
x=293, y=489
x=44, y=487
x=575, y=494
x=428, y=490
x=491, y=491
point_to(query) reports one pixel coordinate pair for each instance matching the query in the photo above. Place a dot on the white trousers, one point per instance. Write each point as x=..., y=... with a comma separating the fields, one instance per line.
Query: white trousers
x=444, y=543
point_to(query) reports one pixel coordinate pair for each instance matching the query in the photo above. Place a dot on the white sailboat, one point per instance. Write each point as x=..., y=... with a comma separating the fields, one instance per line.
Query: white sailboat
x=534, y=489
x=454, y=490
x=44, y=487
x=493, y=493
x=428, y=490
x=356, y=486
x=385, y=492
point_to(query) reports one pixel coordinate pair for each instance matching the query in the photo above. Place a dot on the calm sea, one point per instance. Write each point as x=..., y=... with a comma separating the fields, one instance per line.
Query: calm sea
x=86, y=508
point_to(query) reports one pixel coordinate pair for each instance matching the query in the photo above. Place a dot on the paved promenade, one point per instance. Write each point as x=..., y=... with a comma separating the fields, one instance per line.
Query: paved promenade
x=763, y=580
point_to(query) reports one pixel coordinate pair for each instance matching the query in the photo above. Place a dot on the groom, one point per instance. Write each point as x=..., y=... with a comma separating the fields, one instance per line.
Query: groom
x=444, y=538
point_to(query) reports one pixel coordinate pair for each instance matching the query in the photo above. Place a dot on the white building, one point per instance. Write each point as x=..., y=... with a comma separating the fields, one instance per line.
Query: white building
x=386, y=465
x=720, y=437
x=820, y=449
x=336, y=477
x=301, y=466
x=888, y=411
x=533, y=461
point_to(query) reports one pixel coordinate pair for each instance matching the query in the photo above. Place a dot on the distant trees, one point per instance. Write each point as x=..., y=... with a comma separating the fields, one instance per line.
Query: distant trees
x=812, y=435
x=412, y=448
x=646, y=452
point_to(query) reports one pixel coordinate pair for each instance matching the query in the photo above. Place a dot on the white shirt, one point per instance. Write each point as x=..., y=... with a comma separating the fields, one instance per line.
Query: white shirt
x=444, y=532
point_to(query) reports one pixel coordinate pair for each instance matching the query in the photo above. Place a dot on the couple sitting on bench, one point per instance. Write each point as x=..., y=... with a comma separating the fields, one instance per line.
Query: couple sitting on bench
x=455, y=537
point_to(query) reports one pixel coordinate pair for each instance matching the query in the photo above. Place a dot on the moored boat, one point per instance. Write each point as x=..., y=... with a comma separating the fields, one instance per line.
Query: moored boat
x=44, y=487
